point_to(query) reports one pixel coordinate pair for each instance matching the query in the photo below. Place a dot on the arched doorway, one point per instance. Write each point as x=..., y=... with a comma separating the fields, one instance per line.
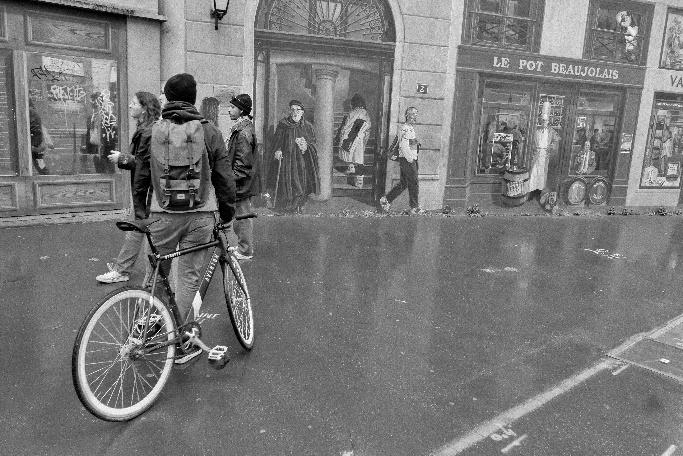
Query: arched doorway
x=322, y=53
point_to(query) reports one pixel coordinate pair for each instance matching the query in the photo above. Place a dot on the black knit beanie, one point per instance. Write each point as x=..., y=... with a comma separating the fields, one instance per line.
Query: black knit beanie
x=243, y=102
x=181, y=87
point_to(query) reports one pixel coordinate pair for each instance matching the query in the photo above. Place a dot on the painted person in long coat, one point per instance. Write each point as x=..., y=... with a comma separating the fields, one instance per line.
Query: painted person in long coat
x=293, y=173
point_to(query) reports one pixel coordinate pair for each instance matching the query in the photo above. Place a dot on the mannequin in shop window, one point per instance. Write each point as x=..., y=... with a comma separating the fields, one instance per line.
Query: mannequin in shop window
x=547, y=142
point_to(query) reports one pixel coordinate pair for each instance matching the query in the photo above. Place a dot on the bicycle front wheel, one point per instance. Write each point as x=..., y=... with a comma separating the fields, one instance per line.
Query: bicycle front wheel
x=116, y=375
x=238, y=301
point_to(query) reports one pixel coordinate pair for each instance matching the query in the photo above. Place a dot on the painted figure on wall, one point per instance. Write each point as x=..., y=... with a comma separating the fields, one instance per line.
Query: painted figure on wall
x=547, y=142
x=629, y=27
x=293, y=174
x=672, y=53
x=667, y=145
x=353, y=133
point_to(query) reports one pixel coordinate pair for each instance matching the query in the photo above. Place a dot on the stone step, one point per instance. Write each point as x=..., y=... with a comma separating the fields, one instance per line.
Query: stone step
x=340, y=180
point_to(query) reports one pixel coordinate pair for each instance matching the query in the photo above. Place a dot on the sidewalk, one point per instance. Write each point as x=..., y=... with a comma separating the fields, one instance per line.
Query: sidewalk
x=345, y=206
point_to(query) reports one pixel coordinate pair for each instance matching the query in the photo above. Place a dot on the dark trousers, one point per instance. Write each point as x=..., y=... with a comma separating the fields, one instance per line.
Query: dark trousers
x=408, y=180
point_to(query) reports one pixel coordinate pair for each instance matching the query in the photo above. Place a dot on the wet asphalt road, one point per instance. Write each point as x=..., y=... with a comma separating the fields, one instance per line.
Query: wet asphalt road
x=374, y=336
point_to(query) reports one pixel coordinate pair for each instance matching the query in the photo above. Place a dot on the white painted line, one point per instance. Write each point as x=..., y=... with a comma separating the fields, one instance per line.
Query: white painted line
x=621, y=369
x=664, y=329
x=513, y=444
x=670, y=451
x=487, y=428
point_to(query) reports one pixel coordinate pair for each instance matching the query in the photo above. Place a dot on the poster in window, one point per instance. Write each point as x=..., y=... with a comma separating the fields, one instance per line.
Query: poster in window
x=664, y=146
x=672, y=48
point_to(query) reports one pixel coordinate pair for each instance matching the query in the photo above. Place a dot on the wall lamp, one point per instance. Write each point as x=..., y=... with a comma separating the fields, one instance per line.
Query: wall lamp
x=219, y=14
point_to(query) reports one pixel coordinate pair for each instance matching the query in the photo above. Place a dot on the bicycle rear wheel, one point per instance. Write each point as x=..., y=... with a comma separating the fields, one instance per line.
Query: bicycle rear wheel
x=115, y=379
x=238, y=301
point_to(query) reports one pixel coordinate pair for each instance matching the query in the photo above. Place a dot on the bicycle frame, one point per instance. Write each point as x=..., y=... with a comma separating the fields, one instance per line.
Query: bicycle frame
x=220, y=245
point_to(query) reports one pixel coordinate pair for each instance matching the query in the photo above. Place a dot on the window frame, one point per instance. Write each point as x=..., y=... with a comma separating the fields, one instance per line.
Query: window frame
x=646, y=11
x=529, y=111
x=536, y=15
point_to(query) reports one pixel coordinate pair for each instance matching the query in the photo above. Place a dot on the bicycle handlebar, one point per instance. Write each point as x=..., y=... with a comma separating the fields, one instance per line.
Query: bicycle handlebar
x=222, y=226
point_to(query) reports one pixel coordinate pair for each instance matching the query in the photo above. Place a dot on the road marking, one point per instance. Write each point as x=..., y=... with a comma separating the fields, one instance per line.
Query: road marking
x=670, y=451
x=487, y=428
x=621, y=369
x=513, y=444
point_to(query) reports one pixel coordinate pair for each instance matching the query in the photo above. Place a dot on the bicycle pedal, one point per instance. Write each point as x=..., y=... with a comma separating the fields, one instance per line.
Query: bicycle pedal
x=218, y=357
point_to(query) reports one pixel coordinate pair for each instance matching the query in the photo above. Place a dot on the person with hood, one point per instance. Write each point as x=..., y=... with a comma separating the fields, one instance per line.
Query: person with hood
x=192, y=226
x=242, y=149
x=293, y=175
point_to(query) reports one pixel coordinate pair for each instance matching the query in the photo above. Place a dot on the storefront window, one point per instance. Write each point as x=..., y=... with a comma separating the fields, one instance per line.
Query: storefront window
x=594, y=140
x=8, y=162
x=504, y=124
x=618, y=31
x=504, y=23
x=73, y=108
x=664, y=147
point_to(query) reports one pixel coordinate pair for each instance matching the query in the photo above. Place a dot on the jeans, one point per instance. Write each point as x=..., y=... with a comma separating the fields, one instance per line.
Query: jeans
x=183, y=230
x=244, y=229
x=408, y=180
x=129, y=251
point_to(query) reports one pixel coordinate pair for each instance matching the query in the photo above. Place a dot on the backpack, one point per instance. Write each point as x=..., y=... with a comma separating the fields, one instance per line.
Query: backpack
x=179, y=165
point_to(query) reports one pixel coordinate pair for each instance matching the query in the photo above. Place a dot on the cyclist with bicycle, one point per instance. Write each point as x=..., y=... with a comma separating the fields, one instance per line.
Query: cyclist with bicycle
x=171, y=228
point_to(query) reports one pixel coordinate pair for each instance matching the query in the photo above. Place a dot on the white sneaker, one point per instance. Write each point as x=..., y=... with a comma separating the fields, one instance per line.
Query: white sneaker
x=112, y=276
x=239, y=255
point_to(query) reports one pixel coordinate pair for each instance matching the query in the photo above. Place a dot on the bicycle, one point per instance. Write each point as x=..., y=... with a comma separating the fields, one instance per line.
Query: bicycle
x=126, y=347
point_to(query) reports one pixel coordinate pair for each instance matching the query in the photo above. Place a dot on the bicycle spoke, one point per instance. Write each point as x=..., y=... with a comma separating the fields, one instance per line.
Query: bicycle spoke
x=116, y=376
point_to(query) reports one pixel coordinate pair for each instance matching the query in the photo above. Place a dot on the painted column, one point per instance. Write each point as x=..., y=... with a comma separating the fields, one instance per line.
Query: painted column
x=172, y=38
x=260, y=98
x=325, y=80
x=380, y=186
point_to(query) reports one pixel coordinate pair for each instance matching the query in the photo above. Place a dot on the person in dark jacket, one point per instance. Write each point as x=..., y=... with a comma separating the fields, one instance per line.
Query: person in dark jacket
x=144, y=107
x=242, y=147
x=193, y=226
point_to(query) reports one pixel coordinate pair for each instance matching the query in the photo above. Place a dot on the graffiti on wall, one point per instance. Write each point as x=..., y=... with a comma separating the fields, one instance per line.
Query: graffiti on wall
x=104, y=112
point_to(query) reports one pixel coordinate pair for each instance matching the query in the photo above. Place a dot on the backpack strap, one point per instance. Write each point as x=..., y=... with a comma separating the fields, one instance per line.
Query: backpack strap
x=190, y=165
x=167, y=168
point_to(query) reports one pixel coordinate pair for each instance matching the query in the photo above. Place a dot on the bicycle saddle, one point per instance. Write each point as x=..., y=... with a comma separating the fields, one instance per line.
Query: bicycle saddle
x=128, y=226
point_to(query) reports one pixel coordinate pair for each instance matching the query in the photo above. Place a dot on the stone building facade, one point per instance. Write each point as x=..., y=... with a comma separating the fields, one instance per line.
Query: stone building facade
x=485, y=76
